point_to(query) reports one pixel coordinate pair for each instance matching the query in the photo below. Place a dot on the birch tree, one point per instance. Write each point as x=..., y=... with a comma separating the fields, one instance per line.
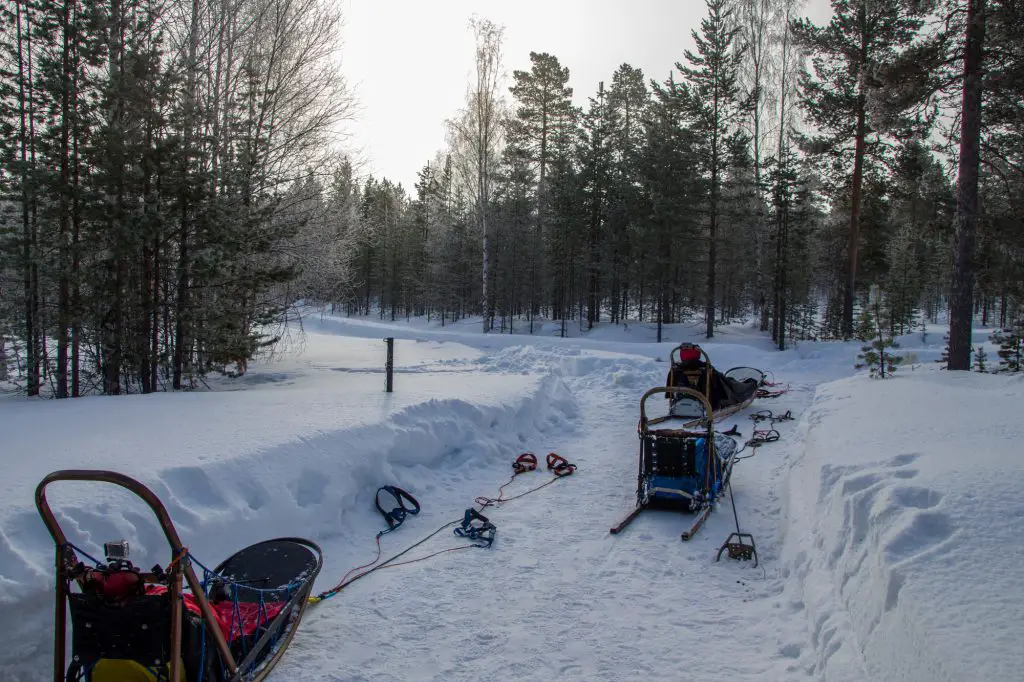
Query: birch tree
x=478, y=136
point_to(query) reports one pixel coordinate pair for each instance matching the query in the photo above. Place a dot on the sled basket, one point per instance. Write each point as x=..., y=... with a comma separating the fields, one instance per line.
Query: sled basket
x=167, y=625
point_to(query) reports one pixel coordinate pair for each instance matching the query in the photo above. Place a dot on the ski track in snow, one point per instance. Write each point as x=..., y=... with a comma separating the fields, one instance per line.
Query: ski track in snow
x=843, y=523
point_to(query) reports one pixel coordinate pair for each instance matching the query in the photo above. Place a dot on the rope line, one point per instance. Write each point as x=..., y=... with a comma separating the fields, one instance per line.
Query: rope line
x=482, y=535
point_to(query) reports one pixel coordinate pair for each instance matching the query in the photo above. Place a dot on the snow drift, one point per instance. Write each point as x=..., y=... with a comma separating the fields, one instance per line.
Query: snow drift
x=903, y=538
x=315, y=482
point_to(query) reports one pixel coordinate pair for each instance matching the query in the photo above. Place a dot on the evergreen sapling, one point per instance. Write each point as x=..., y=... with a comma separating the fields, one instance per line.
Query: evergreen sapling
x=980, y=360
x=1011, y=347
x=874, y=355
x=944, y=358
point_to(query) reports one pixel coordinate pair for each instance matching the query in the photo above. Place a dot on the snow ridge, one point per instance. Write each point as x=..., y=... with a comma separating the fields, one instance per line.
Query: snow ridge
x=319, y=486
x=854, y=532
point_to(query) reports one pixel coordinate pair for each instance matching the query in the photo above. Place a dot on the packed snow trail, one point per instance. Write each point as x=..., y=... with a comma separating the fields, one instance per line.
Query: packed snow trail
x=541, y=603
x=868, y=536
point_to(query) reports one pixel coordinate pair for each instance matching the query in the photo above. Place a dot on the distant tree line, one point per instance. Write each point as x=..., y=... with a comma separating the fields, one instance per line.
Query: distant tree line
x=168, y=195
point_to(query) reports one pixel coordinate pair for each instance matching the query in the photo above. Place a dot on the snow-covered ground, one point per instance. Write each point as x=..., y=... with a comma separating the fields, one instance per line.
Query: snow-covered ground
x=885, y=517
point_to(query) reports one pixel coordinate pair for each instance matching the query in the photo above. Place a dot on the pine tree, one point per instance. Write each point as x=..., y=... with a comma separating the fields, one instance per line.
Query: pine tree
x=599, y=125
x=980, y=360
x=669, y=192
x=1011, y=347
x=543, y=103
x=629, y=100
x=862, y=37
x=967, y=214
x=874, y=355
x=709, y=98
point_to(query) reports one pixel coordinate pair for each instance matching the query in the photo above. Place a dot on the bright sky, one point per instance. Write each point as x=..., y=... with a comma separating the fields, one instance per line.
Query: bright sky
x=408, y=61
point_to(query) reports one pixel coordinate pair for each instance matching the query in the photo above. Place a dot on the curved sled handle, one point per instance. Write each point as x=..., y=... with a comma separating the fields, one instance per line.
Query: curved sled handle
x=669, y=390
x=147, y=495
x=178, y=567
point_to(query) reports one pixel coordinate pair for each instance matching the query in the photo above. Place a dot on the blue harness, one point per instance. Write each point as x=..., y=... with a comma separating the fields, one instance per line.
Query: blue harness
x=397, y=515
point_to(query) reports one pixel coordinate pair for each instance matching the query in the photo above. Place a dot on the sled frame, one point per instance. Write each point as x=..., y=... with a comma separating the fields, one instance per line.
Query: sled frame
x=180, y=567
x=644, y=429
x=708, y=418
x=723, y=413
x=709, y=368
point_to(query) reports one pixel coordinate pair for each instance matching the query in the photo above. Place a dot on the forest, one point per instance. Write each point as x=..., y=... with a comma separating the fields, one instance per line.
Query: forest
x=172, y=190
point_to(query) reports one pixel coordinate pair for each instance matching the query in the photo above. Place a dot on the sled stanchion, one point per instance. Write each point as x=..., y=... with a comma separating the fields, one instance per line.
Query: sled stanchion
x=389, y=364
x=60, y=615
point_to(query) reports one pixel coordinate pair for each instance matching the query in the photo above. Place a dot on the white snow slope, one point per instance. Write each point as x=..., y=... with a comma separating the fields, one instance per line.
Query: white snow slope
x=884, y=517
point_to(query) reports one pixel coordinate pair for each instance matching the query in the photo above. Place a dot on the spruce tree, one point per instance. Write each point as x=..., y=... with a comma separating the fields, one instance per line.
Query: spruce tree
x=709, y=98
x=862, y=37
x=866, y=325
x=980, y=360
x=875, y=356
x=944, y=358
x=1011, y=347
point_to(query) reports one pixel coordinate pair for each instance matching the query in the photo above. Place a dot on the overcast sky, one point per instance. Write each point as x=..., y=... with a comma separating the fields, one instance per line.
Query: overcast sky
x=408, y=61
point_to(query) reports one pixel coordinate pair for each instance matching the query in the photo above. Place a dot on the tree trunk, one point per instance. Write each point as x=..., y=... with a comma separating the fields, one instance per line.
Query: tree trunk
x=849, y=293
x=967, y=191
x=28, y=231
x=63, y=283
x=181, y=343
x=76, y=231
x=853, y=244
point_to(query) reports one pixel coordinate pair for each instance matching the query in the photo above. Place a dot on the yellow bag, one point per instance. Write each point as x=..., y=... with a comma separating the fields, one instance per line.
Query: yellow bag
x=122, y=670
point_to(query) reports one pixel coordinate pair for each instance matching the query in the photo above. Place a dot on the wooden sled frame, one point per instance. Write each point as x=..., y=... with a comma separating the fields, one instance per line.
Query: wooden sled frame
x=180, y=567
x=723, y=413
x=709, y=416
x=676, y=353
x=644, y=430
x=707, y=431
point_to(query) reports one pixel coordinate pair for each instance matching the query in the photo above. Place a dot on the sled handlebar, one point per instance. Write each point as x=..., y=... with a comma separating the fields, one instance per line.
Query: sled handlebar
x=669, y=390
x=126, y=482
x=179, y=567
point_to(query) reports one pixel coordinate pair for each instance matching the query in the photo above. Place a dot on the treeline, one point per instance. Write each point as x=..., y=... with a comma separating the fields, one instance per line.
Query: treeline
x=782, y=172
x=156, y=165
x=168, y=196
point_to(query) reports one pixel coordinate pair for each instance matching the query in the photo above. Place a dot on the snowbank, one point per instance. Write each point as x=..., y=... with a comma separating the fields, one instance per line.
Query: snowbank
x=237, y=467
x=903, y=538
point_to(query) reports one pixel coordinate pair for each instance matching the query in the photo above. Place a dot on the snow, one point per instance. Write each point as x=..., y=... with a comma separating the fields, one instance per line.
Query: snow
x=903, y=539
x=884, y=517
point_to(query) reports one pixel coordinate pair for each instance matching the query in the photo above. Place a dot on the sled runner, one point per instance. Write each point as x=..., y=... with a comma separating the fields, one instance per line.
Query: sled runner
x=727, y=393
x=128, y=625
x=684, y=464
